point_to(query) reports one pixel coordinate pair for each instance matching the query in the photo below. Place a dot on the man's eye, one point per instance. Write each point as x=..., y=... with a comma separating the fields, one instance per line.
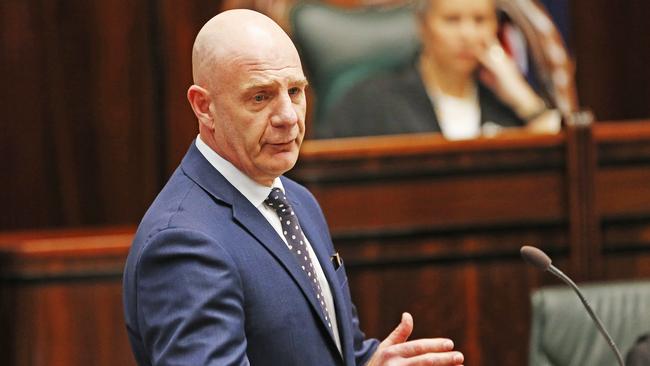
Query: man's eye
x=294, y=91
x=259, y=97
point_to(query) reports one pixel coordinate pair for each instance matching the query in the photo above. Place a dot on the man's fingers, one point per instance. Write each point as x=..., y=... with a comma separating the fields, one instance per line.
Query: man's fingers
x=422, y=346
x=430, y=351
x=401, y=332
x=437, y=359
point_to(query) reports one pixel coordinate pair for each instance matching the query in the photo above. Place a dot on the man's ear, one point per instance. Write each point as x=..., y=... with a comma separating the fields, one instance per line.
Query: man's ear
x=199, y=99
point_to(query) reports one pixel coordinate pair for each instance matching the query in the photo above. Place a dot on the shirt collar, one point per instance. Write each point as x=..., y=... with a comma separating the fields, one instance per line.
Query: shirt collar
x=254, y=192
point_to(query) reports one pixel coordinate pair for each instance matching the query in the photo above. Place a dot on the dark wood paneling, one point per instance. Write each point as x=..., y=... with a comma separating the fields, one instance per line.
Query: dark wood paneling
x=78, y=134
x=623, y=199
x=61, y=298
x=180, y=21
x=66, y=324
x=410, y=203
x=610, y=45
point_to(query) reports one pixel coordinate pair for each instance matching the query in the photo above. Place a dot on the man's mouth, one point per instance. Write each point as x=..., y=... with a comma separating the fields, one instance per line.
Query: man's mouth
x=281, y=143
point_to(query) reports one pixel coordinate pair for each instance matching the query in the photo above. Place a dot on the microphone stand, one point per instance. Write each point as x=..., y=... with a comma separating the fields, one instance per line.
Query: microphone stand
x=555, y=271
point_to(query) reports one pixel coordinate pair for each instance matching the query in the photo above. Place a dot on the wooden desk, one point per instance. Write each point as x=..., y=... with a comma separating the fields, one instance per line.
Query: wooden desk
x=434, y=228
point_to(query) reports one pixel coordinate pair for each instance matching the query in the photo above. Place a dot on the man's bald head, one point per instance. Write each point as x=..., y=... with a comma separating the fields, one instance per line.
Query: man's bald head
x=249, y=93
x=233, y=36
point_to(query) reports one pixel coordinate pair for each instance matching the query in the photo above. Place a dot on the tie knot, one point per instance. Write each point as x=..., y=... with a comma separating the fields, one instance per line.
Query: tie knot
x=278, y=201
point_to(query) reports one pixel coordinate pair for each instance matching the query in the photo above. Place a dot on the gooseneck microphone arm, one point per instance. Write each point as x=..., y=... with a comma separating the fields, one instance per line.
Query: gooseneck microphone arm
x=554, y=270
x=539, y=259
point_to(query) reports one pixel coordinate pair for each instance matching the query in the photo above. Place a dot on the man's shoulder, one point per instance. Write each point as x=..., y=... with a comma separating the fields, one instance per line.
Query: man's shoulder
x=181, y=204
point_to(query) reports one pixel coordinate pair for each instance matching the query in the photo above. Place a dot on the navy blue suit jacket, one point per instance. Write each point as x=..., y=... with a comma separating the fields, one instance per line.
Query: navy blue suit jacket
x=208, y=281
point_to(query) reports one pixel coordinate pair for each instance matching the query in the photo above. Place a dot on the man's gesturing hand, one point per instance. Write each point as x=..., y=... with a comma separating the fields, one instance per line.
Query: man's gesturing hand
x=395, y=350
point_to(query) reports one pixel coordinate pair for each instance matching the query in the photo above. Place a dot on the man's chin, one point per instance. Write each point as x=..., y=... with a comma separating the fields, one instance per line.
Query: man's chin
x=285, y=160
x=281, y=161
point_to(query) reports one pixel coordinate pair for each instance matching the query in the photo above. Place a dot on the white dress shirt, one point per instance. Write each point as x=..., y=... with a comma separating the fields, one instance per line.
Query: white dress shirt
x=459, y=118
x=256, y=194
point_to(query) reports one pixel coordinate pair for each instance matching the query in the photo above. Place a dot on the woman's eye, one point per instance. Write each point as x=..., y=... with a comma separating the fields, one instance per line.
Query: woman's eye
x=452, y=18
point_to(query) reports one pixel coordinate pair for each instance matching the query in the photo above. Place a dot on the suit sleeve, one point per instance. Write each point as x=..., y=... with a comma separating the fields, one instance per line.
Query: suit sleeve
x=189, y=301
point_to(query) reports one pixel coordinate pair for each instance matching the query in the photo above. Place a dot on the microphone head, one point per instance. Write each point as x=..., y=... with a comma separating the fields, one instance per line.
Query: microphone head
x=535, y=257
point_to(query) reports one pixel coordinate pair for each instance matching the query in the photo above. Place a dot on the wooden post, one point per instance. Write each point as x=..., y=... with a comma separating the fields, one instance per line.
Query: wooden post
x=584, y=238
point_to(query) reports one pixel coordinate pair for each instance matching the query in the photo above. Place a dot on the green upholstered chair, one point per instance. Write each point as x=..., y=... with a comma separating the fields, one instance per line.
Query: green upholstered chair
x=563, y=334
x=340, y=47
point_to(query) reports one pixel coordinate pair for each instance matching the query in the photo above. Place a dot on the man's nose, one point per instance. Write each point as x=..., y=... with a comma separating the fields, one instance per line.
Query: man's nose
x=285, y=112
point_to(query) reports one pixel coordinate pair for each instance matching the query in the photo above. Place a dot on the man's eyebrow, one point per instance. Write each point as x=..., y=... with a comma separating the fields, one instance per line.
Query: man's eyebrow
x=262, y=84
x=258, y=84
x=302, y=82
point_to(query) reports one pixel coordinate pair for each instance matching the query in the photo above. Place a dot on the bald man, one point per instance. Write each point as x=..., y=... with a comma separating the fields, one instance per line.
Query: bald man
x=232, y=263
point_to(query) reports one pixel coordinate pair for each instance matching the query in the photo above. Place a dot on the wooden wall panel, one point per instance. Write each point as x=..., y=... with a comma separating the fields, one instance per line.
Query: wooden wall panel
x=78, y=133
x=473, y=288
x=610, y=46
x=180, y=21
x=67, y=323
x=61, y=298
x=407, y=204
x=633, y=180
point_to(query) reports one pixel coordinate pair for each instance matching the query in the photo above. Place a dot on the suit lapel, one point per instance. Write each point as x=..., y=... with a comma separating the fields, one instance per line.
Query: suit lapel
x=324, y=258
x=205, y=175
x=249, y=217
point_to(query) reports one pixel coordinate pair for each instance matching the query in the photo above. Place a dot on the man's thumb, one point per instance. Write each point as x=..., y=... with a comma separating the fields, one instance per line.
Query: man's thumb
x=401, y=332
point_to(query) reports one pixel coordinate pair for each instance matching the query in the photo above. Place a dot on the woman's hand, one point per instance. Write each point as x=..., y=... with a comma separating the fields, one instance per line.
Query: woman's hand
x=500, y=73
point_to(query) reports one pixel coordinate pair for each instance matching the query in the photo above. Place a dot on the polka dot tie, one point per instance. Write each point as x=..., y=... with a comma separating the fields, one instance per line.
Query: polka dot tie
x=297, y=243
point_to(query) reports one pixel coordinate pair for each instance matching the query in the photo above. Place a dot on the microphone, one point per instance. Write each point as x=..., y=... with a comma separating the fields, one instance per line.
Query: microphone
x=539, y=259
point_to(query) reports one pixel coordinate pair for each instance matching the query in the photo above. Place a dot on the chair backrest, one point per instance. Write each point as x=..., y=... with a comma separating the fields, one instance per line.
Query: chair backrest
x=339, y=47
x=563, y=334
